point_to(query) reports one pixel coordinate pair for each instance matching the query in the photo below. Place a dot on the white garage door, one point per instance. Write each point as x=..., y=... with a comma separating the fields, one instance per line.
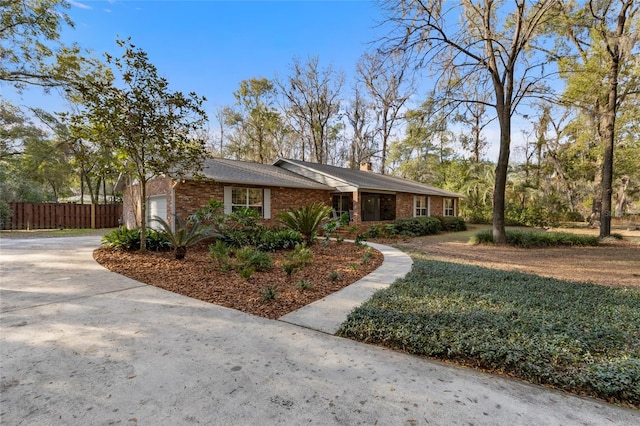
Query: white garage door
x=157, y=206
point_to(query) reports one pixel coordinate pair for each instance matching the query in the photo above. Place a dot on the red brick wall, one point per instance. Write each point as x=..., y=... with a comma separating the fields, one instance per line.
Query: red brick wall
x=404, y=205
x=283, y=199
x=191, y=195
x=436, y=206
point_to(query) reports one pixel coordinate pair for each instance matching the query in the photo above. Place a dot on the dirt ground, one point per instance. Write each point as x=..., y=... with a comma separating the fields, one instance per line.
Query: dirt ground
x=615, y=263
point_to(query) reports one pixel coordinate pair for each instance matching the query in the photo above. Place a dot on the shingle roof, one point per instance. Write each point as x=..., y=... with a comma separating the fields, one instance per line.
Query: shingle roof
x=366, y=180
x=244, y=172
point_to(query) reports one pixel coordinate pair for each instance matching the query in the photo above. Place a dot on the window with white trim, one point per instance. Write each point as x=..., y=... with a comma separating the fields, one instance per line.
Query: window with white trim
x=254, y=198
x=421, y=206
x=448, y=207
x=246, y=197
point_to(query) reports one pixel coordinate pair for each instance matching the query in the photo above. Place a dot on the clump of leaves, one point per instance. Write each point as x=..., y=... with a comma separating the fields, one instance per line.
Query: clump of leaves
x=249, y=257
x=366, y=257
x=306, y=220
x=220, y=254
x=184, y=235
x=360, y=240
x=304, y=285
x=334, y=275
x=269, y=293
x=300, y=257
x=246, y=272
x=331, y=227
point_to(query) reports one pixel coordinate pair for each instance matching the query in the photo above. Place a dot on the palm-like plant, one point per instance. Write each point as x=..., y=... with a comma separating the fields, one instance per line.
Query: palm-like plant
x=306, y=220
x=184, y=236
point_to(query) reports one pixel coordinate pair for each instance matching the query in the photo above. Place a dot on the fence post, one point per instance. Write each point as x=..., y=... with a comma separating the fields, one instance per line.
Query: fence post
x=93, y=216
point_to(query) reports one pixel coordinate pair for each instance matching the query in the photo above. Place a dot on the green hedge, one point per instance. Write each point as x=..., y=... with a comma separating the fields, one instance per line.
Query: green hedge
x=452, y=223
x=531, y=238
x=579, y=337
x=418, y=226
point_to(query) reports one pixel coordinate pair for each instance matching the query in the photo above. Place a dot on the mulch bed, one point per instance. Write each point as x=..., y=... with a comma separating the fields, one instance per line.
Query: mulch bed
x=197, y=277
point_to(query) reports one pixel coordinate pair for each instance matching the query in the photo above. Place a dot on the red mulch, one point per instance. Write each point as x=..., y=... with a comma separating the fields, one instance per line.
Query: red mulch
x=197, y=277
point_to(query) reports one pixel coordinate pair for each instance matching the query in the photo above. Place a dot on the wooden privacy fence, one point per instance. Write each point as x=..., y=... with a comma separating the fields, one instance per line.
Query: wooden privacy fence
x=59, y=215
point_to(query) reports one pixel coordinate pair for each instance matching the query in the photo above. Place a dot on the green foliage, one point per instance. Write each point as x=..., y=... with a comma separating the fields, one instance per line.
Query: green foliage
x=300, y=257
x=273, y=239
x=531, y=239
x=5, y=213
x=246, y=272
x=220, y=255
x=152, y=129
x=304, y=285
x=331, y=226
x=418, y=226
x=306, y=220
x=269, y=293
x=360, y=240
x=534, y=215
x=366, y=257
x=452, y=223
x=184, y=236
x=129, y=239
x=249, y=257
x=211, y=213
x=334, y=275
x=577, y=336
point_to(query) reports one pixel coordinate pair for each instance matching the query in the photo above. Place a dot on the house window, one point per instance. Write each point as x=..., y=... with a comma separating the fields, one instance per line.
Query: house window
x=247, y=197
x=421, y=206
x=448, y=207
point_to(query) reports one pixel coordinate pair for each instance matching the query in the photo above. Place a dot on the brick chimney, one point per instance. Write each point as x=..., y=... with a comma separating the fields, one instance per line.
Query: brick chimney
x=366, y=166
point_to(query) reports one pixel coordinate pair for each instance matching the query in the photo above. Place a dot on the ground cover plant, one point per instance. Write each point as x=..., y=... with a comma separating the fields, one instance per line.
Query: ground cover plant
x=575, y=336
x=537, y=238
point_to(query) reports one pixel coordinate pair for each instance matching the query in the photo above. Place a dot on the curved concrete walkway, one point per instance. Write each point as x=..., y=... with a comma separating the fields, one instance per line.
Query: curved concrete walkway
x=80, y=345
x=329, y=312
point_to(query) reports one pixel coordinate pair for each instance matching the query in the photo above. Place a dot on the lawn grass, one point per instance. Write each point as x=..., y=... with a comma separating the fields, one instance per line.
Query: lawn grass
x=580, y=337
x=53, y=233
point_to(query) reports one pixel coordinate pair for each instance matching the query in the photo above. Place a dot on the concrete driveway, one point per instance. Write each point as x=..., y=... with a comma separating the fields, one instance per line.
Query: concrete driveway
x=83, y=346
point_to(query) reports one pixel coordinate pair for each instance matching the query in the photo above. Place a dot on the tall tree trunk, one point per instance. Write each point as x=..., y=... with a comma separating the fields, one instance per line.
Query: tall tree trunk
x=499, y=233
x=615, y=53
x=143, y=215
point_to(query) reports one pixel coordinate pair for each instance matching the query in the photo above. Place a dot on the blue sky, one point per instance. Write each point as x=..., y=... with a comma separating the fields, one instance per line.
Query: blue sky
x=210, y=46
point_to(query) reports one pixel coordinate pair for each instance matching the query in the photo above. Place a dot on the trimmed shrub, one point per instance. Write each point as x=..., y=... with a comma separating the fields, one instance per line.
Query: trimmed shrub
x=418, y=226
x=452, y=223
x=532, y=239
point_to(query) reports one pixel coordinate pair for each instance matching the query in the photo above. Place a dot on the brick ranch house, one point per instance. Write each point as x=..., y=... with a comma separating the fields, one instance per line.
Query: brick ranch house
x=271, y=188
